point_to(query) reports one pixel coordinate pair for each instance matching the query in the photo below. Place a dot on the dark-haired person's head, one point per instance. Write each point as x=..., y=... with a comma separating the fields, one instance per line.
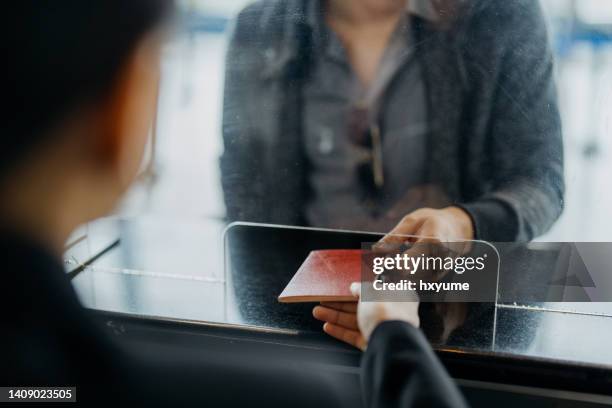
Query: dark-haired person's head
x=82, y=82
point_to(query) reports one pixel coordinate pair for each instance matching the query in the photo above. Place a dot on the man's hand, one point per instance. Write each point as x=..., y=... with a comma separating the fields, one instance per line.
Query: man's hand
x=430, y=225
x=353, y=323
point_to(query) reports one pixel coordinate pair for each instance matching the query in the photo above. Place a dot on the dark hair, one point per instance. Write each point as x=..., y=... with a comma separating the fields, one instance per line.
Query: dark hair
x=63, y=54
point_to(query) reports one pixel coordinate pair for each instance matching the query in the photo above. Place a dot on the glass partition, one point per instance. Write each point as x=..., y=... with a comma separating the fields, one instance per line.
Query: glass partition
x=508, y=121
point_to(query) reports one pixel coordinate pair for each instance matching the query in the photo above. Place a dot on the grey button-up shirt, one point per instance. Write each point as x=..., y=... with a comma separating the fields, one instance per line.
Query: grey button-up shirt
x=396, y=102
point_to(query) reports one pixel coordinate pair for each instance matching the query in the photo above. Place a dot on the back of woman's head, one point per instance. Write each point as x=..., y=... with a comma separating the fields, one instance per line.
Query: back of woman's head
x=62, y=55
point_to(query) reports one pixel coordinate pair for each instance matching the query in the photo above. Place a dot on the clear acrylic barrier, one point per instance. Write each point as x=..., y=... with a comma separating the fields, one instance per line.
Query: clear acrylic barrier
x=262, y=259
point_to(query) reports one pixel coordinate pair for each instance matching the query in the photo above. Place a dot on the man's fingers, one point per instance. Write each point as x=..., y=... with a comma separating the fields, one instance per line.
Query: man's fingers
x=344, y=319
x=350, y=307
x=352, y=337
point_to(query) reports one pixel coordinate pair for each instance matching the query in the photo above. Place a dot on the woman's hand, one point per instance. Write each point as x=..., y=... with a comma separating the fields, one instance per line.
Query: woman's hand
x=354, y=322
x=444, y=225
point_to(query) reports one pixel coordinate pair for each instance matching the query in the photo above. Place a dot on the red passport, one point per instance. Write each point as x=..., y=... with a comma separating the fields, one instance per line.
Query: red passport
x=325, y=275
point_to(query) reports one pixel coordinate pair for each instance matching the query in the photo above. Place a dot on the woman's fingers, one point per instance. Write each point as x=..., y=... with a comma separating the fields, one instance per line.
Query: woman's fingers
x=336, y=317
x=352, y=337
x=409, y=225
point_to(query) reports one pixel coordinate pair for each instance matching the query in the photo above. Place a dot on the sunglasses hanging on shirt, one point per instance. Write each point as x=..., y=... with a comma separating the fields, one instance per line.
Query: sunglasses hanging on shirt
x=366, y=135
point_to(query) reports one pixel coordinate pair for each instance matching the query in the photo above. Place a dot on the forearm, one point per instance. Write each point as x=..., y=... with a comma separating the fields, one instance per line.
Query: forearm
x=520, y=187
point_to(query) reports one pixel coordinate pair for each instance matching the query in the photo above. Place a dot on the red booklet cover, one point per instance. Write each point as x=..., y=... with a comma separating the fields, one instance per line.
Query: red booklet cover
x=325, y=275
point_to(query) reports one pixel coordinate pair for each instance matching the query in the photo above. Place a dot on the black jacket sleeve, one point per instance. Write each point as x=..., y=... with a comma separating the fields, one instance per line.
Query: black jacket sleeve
x=399, y=369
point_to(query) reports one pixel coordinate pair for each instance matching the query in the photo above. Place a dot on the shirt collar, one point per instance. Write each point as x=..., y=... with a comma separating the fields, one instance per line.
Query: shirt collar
x=333, y=48
x=420, y=8
x=424, y=9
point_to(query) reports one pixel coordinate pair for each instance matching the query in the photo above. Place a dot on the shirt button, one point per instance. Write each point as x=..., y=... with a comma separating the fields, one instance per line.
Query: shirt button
x=326, y=141
x=270, y=54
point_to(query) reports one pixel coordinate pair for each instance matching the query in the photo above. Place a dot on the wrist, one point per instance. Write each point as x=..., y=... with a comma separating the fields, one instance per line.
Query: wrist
x=463, y=222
